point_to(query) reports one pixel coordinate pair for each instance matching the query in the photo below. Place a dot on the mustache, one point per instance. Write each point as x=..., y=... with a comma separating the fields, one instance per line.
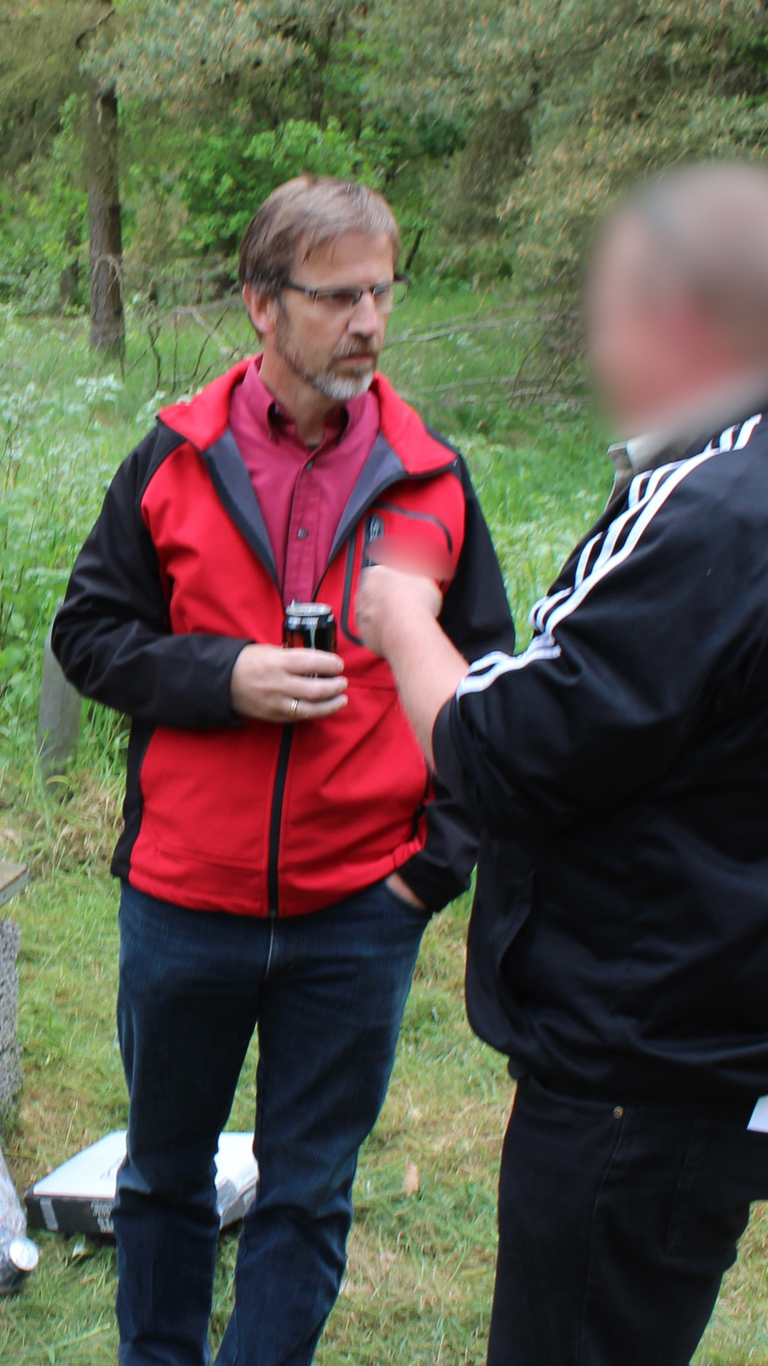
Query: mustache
x=357, y=353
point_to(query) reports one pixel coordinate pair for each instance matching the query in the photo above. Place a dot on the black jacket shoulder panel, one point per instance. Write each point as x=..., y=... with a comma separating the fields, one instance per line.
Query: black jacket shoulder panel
x=112, y=635
x=153, y=451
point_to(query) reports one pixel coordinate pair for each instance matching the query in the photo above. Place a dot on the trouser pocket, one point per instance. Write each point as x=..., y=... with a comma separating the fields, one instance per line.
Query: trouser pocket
x=725, y=1169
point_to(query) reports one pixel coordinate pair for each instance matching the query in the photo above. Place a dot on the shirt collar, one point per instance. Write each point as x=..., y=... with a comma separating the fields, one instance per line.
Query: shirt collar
x=265, y=411
x=686, y=430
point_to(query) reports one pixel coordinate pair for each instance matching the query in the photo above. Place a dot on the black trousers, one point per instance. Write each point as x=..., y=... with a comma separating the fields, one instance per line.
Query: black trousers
x=617, y=1222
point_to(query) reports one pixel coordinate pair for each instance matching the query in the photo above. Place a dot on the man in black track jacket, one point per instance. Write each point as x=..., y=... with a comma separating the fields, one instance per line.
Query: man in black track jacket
x=619, y=945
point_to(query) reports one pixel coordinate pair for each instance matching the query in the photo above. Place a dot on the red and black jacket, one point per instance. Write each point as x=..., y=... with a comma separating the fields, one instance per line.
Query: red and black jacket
x=175, y=579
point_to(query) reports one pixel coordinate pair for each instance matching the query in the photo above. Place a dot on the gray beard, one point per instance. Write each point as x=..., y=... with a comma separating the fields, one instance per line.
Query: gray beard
x=328, y=383
x=340, y=390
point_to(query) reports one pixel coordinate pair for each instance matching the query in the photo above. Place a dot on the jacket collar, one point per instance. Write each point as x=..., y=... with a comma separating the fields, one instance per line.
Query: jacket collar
x=204, y=419
x=688, y=432
x=403, y=449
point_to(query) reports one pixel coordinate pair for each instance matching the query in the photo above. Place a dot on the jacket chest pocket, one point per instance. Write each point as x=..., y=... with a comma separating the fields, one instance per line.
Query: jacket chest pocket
x=417, y=540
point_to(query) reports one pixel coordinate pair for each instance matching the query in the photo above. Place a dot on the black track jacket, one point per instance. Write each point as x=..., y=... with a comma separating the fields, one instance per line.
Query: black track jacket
x=620, y=765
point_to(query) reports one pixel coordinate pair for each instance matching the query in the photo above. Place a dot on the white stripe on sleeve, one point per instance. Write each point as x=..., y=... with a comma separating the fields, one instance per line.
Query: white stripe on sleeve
x=542, y=647
x=647, y=495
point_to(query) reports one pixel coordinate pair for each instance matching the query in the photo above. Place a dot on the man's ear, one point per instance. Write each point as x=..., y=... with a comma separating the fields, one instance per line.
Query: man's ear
x=262, y=312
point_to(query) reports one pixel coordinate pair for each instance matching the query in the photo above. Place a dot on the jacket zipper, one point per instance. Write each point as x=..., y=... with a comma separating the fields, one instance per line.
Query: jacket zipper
x=276, y=823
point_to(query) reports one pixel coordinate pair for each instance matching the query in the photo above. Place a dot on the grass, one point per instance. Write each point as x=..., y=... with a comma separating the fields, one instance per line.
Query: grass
x=421, y=1267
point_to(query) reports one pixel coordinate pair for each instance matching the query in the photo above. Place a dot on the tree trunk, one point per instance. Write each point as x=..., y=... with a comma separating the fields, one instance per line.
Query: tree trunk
x=105, y=227
x=69, y=279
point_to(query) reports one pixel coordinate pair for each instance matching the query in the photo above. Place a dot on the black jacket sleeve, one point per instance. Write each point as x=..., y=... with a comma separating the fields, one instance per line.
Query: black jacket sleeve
x=477, y=619
x=648, y=629
x=112, y=635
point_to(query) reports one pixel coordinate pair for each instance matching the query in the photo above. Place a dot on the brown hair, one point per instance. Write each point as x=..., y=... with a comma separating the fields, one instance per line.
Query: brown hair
x=303, y=215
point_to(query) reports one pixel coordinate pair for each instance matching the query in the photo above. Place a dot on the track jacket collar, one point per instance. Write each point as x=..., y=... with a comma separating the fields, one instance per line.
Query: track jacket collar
x=689, y=430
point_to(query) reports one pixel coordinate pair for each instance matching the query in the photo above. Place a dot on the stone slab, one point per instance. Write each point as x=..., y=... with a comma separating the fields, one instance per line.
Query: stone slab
x=13, y=878
x=10, y=1069
x=9, y=983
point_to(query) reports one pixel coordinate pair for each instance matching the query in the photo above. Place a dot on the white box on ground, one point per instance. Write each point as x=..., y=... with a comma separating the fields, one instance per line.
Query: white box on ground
x=78, y=1197
x=759, y=1120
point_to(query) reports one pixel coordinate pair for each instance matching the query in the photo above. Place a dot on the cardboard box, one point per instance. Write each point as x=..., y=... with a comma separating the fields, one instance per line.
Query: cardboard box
x=78, y=1197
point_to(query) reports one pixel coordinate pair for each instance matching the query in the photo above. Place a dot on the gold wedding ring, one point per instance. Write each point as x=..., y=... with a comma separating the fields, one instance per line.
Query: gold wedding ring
x=294, y=708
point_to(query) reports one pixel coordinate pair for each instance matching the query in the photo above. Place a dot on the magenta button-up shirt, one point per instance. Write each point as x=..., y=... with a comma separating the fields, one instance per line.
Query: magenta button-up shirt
x=302, y=492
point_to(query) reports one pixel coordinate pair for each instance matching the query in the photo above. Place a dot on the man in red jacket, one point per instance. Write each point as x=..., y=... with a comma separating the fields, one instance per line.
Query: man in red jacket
x=284, y=841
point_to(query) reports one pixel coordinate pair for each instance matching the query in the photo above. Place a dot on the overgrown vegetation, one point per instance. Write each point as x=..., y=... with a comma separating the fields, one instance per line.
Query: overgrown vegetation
x=421, y=1266
x=498, y=128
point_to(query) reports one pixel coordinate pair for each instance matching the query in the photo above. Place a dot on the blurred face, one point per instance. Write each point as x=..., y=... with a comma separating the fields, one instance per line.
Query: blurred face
x=654, y=351
x=323, y=341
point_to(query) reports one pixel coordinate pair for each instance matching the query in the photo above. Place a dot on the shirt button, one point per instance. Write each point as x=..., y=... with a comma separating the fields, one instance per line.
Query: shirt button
x=618, y=1112
x=303, y=533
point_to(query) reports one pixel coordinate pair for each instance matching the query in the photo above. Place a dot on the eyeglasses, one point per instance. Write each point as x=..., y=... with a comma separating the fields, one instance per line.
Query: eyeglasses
x=385, y=297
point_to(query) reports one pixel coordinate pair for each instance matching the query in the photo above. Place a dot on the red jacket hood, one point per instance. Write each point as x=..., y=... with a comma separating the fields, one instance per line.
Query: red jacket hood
x=204, y=419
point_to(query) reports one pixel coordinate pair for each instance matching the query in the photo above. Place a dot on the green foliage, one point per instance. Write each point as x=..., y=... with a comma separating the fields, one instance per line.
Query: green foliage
x=188, y=49
x=612, y=92
x=256, y=93
x=44, y=94
x=499, y=130
x=570, y=102
x=41, y=45
x=597, y=94
x=43, y=218
x=229, y=177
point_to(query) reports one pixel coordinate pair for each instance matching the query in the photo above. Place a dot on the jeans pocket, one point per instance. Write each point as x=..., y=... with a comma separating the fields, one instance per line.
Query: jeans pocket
x=418, y=912
x=717, y=1185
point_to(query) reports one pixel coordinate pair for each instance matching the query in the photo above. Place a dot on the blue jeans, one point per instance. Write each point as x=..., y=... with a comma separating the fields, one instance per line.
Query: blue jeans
x=326, y=992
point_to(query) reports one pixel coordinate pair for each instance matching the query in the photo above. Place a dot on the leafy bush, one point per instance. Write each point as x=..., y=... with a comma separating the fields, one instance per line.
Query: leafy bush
x=230, y=177
x=44, y=223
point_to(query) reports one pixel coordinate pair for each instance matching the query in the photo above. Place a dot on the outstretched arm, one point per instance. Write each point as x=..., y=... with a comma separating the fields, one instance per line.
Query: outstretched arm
x=398, y=614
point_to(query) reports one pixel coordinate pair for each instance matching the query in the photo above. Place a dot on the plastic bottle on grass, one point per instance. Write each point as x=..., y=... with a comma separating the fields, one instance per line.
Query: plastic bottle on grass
x=18, y=1254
